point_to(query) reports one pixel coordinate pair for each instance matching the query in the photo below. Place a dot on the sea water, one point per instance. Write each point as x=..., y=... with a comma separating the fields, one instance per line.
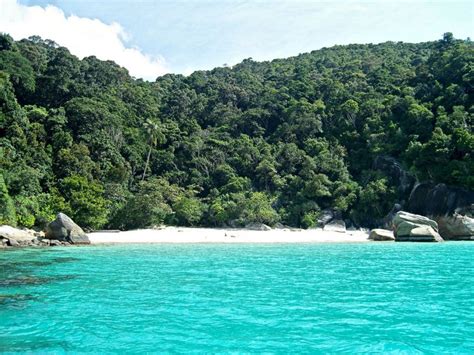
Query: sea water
x=280, y=298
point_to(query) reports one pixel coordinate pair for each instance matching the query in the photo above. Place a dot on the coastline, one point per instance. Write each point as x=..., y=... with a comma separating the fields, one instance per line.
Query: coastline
x=185, y=235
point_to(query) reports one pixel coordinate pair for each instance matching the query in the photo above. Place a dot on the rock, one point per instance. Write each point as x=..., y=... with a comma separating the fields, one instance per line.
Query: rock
x=39, y=235
x=64, y=229
x=403, y=216
x=451, y=207
x=54, y=243
x=44, y=242
x=410, y=227
x=279, y=226
x=386, y=222
x=336, y=225
x=325, y=217
x=381, y=235
x=456, y=227
x=13, y=243
x=397, y=176
x=434, y=200
x=257, y=226
x=17, y=237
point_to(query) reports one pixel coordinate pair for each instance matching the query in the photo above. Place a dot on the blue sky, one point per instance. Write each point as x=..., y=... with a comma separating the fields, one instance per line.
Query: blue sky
x=190, y=35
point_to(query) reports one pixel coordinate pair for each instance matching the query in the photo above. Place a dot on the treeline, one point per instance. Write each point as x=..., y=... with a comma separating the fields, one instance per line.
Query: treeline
x=265, y=142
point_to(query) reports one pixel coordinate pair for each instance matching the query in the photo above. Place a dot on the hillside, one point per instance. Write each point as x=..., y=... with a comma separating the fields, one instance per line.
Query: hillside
x=268, y=142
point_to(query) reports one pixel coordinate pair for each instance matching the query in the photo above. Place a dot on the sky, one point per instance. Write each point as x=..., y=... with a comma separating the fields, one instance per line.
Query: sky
x=154, y=37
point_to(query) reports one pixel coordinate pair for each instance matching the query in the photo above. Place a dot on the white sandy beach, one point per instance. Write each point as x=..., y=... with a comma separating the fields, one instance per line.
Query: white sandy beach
x=211, y=235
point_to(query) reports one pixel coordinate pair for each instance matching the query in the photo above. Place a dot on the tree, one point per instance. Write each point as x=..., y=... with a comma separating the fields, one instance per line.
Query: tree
x=188, y=210
x=150, y=206
x=7, y=209
x=87, y=206
x=153, y=131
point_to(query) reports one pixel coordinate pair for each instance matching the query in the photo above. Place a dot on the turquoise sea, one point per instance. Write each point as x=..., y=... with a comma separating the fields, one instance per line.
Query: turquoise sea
x=298, y=298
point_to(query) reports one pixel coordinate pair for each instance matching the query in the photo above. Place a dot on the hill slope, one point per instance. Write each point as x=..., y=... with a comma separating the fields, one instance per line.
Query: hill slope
x=259, y=142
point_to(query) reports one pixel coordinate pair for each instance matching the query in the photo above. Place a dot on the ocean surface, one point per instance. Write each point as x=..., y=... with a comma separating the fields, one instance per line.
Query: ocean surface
x=298, y=298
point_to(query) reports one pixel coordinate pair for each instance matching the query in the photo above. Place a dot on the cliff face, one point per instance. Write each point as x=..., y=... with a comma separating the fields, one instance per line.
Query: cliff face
x=451, y=207
x=429, y=199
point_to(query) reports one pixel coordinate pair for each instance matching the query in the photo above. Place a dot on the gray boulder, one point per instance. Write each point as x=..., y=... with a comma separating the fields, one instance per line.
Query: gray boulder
x=410, y=227
x=255, y=226
x=64, y=229
x=336, y=225
x=456, y=227
x=325, y=217
x=429, y=199
x=381, y=235
x=17, y=237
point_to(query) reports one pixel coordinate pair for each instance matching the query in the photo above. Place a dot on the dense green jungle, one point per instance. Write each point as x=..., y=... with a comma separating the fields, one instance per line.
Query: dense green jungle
x=258, y=142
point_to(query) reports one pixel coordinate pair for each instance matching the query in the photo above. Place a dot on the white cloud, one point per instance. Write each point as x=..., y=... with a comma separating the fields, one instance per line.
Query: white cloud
x=82, y=36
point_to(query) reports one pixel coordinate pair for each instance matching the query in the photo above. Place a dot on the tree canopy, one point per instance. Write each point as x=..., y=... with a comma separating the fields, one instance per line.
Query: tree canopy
x=265, y=142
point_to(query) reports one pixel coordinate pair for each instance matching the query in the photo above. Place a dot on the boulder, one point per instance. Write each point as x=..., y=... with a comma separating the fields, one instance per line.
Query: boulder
x=429, y=199
x=403, y=216
x=64, y=229
x=255, y=226
x=54, y=243
x=456, y=227
x=410, y=227
x=45, y=242
x=325, y=217
x=386, y=222
x=336, y=225
x=17, y=237
x=381, y=235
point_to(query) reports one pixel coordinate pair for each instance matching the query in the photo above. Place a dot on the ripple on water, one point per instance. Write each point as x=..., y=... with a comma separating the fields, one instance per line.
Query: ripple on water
x=245, y=298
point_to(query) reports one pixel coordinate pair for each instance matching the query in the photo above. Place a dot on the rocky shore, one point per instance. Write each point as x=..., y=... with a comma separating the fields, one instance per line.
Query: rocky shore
x=403, y=227
x=60, y=232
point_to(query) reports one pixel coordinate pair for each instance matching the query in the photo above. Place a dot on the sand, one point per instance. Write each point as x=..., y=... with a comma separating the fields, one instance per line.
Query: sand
x=215, y=235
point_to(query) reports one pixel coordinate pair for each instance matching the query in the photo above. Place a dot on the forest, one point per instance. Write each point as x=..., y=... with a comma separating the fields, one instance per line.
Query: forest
x=258, y=142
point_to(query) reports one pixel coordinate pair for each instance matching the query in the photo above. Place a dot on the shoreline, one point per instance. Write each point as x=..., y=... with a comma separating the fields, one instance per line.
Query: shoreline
x=190, y=235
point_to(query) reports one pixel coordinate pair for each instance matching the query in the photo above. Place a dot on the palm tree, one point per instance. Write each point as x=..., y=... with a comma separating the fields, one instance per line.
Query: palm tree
x=153, y=131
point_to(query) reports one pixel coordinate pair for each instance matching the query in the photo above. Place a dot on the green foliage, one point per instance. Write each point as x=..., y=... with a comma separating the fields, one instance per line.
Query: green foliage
x=188, y=211
x=374, y=201
x=150, y=206
x=258, y=142
x=87, y=206
x=239, y=209
x=7, y=209
x=310, y=219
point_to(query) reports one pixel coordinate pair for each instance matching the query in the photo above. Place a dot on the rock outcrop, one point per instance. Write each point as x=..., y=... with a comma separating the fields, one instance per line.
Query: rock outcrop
x=257, y=227
x=456, y=227
x=430, y=199
x=381, y=235
x=387, y=221
x=15, y=237
x=410, y=227
x=64, y=229
x=325, y=217
x=336, y=225
x=399, y=177
x=451, y=207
